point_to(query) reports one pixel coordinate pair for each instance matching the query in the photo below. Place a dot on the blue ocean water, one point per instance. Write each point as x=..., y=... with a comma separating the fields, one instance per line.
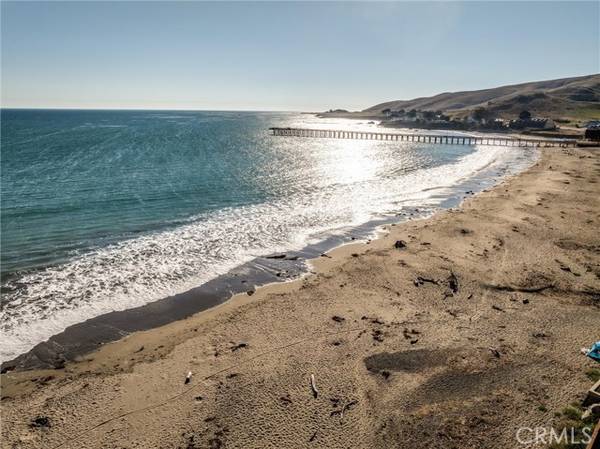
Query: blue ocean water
x=105, y=210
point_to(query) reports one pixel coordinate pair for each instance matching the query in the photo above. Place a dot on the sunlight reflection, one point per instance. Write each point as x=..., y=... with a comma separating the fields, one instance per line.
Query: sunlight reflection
x=349, y=161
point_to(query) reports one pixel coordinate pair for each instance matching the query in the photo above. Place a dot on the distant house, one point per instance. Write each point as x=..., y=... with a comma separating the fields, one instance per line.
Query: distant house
x=535, y=123
x=411, y=117
x=592, y=124
x=544, y=123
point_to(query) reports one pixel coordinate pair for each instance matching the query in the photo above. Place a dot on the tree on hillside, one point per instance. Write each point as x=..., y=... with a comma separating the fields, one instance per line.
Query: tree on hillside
x=386, y=111
x=428, y=115
x=525, y=115
x=480, y=114
x=412, y=113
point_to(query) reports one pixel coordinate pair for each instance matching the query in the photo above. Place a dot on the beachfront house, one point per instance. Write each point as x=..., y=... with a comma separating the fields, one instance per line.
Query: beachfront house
x=533, y=123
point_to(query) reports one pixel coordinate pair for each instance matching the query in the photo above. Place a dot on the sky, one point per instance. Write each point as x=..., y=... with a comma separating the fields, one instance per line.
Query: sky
x=281, y=55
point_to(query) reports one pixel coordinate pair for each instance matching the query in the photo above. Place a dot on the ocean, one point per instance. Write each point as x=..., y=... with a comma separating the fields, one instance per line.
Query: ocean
x=109, y=210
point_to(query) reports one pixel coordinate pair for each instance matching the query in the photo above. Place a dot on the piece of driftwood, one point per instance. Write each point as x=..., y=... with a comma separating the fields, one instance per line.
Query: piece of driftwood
x=313, y=386
x=346, y=407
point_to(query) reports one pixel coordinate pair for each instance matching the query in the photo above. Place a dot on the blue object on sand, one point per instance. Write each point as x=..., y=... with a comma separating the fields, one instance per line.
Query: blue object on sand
x=594, y=352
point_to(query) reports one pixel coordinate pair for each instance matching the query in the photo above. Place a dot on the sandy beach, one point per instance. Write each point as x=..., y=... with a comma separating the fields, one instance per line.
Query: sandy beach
x=453, y=331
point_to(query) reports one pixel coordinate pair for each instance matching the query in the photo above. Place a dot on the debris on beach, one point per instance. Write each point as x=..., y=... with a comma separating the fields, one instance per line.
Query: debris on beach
x=282, y=256
x=421, y=280
x=238, y=346
x=400, y=244
x=344, y=409
x=313, y=386
x=539, y=335
x=7, y=369
x=377, y=335
x=188, y=378
x=495, y=352
x=453, y=282
x=453, y=313
x=250, y=292
x=348, y=406
x=40, y=422
x=276, y=256
x=338, y=319
x=410, y=335
x=59, y=362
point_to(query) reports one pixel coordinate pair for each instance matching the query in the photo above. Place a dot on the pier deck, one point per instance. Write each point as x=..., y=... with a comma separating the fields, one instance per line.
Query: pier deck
x=422, y=138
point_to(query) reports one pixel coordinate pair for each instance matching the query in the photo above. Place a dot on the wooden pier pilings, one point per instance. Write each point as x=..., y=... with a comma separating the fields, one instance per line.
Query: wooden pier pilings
x=422, y=138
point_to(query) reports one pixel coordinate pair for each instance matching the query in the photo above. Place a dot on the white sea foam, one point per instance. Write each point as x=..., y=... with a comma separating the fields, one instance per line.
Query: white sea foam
x=150, y=267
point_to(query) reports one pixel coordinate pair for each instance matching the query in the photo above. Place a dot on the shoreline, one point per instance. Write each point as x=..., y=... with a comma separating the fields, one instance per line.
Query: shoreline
x=80, y=339
x=438, y=334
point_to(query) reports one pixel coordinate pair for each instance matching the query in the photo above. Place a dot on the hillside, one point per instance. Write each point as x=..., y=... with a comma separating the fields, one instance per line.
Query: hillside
x=574, y=98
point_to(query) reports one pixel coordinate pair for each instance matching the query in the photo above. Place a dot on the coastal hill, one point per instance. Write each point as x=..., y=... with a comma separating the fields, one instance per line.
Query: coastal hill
x=575, y=98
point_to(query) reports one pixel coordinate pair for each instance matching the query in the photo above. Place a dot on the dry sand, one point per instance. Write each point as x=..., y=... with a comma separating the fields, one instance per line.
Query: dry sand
x=470, y=331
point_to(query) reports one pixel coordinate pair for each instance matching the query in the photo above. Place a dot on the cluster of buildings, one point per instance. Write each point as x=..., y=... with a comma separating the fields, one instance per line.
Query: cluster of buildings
x=476, y=120
x=534, y=122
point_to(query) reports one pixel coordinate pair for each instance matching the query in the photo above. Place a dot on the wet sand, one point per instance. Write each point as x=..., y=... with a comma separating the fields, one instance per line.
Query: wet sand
x=466, y=331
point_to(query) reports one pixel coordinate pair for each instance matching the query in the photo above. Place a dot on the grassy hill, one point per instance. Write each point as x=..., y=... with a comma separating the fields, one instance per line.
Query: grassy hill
x=574, y=99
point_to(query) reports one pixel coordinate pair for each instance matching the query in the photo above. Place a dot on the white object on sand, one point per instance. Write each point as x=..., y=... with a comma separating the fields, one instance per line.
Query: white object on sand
x=313, y=385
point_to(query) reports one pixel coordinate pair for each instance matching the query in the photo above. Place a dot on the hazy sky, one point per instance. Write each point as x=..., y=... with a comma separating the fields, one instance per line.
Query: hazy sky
x=283, y=56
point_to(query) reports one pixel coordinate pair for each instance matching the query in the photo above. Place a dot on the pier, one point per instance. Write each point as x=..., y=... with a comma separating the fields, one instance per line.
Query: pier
x=422, y=138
